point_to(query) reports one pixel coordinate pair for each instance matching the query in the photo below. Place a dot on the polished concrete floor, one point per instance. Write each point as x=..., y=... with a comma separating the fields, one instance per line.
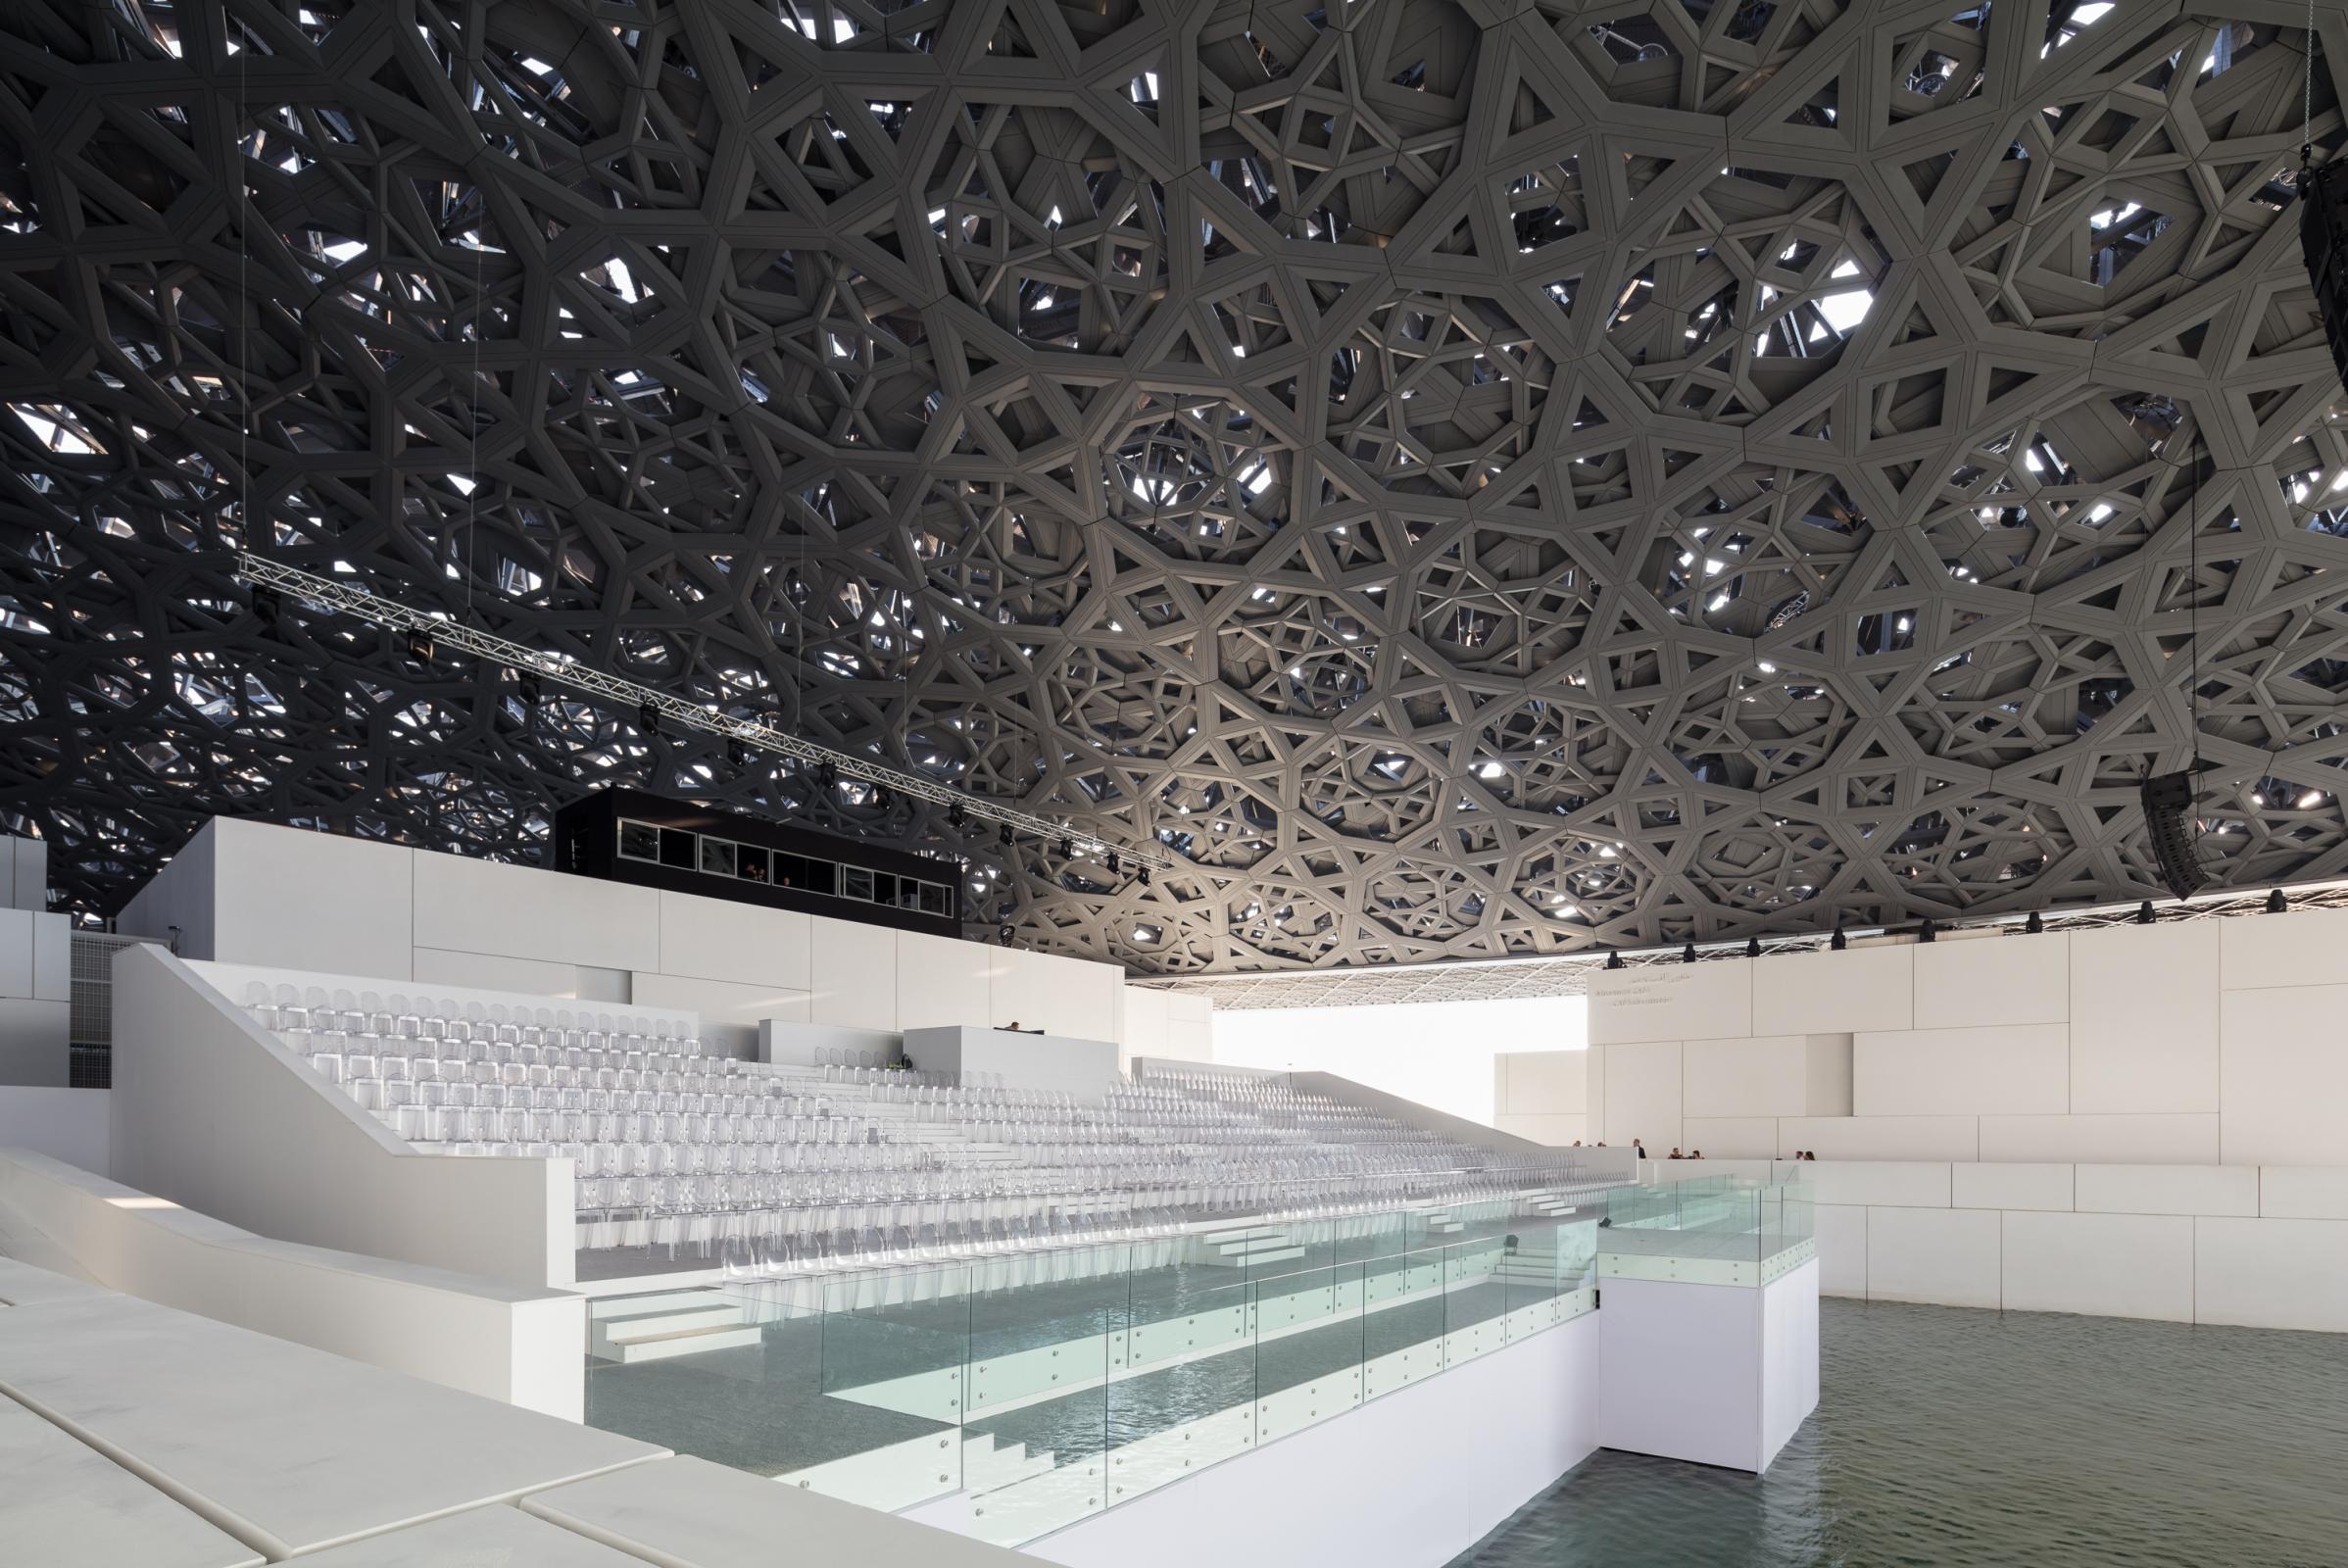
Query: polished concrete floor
x=1952, y=1437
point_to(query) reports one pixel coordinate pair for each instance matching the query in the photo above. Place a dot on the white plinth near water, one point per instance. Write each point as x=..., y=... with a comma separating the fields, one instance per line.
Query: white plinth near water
x=1716, y=1374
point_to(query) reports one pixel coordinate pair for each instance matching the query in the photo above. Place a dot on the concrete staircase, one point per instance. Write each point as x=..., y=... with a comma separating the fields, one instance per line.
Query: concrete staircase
x=630, y=1329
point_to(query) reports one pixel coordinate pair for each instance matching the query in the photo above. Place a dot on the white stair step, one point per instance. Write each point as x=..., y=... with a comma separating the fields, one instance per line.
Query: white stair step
x=621, y=1330
x=618, y=1306
x=693, y=1341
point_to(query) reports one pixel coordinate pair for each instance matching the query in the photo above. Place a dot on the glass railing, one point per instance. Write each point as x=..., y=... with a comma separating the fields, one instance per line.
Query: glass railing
x=1045, y=1386
x=1722, y=1219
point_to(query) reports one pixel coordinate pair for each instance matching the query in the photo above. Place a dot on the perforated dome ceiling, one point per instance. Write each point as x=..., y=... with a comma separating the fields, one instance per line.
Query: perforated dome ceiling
x=1472, y=478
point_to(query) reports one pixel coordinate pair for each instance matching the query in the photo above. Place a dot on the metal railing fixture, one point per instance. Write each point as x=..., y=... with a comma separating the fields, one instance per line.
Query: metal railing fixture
x=350, y=599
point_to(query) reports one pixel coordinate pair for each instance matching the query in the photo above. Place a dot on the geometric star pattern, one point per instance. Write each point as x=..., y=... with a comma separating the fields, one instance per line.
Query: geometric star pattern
x=1471, y=480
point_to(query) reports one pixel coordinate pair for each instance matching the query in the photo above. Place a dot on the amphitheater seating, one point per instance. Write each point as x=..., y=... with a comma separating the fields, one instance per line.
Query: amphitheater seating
x=696, y=1159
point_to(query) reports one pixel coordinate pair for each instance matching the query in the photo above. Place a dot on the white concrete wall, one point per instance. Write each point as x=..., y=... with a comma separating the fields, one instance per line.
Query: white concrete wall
x=1542, y=1096
x=2260, y=1245
x=35, y=994
x=253, y=893
x=1166, y=1023
x=24, y=873
x=2189, y=1043
x=208, y=1109
x=520, y=1347
x=68, y=1124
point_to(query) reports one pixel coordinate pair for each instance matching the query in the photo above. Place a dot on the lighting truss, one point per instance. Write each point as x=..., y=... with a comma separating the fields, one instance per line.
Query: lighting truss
x=350, y=599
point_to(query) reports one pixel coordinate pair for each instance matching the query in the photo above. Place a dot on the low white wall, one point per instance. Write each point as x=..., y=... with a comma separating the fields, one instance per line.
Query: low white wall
x=68, y=1124
x=2264, y=1246
x=1410, y=1113
x=1082, y=1068
x=521, y=1346
x=208, y=1109
x=247, y=891
x=1407, y=1479
x=1439, y=1053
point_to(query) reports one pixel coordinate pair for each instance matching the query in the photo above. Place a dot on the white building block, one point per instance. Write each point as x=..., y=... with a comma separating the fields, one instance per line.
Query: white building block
x=2114, y=1266
x=1948, y=1255
x=1835, y=992
x=2014, y=1070
x=1826, y=1075
x=1191, y=1027
x=1980, y=1186
x=1841, y=1237
x=2303, y=1192
x=1672, y=1002
x=2271, y=1273
x=299, y=900
x=1643, y=1094
x=743, y=944
x=2168, y=1190
x=729, y=1013
x=1767, y=1076
x=2064, y=1140
x=2012, y=979
x=855, y=975
x=520, y=912
x=2144, y=1018
x=946, y=983
x=1881, y=1184
x=1730, y=1137
x=16, y=952
x=51, y=957
x=2282, y=1077
x=2305, y=947
x=487, y=971
x=1943, y=1138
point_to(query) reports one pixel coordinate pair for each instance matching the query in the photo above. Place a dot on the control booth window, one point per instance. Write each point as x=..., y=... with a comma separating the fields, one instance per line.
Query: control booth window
x=718, y=857
x=678, y=848
x=933, y=898
x=639, y=841
x=855, y=883
x=750, y=862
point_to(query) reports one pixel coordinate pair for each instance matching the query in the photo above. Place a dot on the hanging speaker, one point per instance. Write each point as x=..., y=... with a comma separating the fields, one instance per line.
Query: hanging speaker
x=2323, y=240
x=2168, y=799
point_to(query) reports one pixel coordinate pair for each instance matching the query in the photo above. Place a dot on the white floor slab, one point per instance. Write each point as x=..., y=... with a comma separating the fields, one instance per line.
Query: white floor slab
x=63, y=1505
x=496, y=1536
x=324, y=1449
x=689, y=1513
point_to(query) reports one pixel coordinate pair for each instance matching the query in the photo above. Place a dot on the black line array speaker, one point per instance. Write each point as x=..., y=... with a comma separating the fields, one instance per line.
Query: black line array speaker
x=2323, y=240
x=2168, y=799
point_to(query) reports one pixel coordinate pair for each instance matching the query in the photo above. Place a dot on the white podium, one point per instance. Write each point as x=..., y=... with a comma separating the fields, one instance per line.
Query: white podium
x=1079, y=1068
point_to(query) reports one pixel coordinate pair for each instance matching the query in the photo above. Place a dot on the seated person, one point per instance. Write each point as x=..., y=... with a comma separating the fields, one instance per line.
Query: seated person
x=1676, y=1155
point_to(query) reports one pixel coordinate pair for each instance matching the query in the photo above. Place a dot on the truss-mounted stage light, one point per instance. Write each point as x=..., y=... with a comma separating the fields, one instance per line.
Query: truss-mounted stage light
x=1067, y=850
x=2276, y=903
x=827, y=775
x=526, y=687
x=420, y=646
x=2033, y=925
x=1006, y=835
x=1614, y=961
x=1115, y=865
x=737, y=755
x=956, y=814
x=1837, y=942
x=1141, y=874
x=1928, y=932
x=647, y=719
x=1688, y=953
x=2144, y=914
x=1752, y=948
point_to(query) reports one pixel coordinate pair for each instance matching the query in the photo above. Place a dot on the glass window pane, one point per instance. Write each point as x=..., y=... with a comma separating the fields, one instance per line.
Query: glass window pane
x=640, y=841
x=855, y=883
x=678, y=848
x=718, y=857
x=750, y=862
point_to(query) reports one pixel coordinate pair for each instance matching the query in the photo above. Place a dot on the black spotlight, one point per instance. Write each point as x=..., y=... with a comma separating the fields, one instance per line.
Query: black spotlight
x=647, y=718
x=1004, y=936
x=2033, y=925
x=419, y=645
x=2324, y=243
x=527, y=686
x=737, y=754
x=956, y=814
x=1141, y=874
x=2144, y=915
x=269, y=605
x=1928, y=932
x=1115, y=865
x=2168, y=801
x=1688, y=953
x=1838, y=941
x=2276, y=903
x=827, y=774
x=1753, y=946
x=1067, y=850
x=1006, y=835
x=1614, y=961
